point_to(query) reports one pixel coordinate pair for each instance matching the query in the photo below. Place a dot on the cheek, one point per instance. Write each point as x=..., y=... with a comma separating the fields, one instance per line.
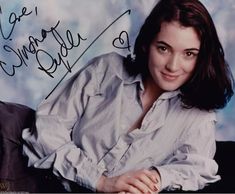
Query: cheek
x=156, y=61
x=189, y=67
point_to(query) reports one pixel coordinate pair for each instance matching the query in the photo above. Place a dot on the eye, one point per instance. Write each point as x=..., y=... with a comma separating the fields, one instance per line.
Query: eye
x=190, y=54
x=162, y=49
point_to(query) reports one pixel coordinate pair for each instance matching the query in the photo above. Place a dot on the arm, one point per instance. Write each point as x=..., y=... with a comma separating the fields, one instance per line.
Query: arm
x=51, y=146
x=191, y=166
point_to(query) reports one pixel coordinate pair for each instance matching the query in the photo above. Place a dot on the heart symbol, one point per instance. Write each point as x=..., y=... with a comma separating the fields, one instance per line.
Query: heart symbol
x=122, y=42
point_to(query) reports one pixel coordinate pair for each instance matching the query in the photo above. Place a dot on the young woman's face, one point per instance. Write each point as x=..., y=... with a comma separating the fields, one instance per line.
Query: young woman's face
x=173, y=55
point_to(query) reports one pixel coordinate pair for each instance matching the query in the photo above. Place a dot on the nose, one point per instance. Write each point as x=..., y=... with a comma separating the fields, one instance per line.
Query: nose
x=173, y=63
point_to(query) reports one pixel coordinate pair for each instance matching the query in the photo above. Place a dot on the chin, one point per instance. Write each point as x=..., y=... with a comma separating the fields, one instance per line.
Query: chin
x=169, y=88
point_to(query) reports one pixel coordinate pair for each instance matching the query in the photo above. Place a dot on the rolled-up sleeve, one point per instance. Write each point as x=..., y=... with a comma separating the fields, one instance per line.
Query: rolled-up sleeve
x=51, y=145
x=192, y=166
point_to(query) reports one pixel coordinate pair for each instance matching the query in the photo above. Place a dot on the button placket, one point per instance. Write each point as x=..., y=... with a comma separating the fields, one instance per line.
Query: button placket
x=150, y=116
x=146, y=118
x=111, y=159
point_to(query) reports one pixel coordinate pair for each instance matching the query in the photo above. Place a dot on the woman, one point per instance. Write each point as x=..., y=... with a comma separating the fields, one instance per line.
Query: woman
x=140, y=125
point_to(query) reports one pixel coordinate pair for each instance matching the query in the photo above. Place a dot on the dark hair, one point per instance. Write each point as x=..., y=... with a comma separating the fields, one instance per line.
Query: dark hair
x=211, y=85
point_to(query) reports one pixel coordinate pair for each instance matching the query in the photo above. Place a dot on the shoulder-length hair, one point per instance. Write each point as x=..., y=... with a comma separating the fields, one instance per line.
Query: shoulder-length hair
x=211, y=85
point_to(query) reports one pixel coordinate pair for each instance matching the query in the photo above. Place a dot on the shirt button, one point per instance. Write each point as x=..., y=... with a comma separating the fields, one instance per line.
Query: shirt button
x=102, y=165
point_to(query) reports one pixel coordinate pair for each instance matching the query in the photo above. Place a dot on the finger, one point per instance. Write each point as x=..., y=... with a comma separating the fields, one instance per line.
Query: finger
x=141, y=186
x=132, y=189
x=157, y=187
x=152, y=176
x=124, y=192
x=157, y=174
x=148, y=182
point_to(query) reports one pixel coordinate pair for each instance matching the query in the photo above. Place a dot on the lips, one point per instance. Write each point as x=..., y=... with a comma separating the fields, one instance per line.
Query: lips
x=169, y=77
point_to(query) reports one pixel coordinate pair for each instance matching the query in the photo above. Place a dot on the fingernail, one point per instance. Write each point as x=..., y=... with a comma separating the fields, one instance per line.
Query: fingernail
x=155, y=188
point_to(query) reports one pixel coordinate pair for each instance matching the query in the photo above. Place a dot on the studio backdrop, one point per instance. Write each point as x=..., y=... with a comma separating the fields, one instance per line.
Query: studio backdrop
x=45, y=42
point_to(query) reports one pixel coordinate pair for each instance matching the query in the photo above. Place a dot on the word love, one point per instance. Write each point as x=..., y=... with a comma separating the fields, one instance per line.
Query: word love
x=13, y=20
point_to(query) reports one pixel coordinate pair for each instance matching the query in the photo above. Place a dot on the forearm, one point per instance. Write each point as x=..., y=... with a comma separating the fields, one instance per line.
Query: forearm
x=67, y=161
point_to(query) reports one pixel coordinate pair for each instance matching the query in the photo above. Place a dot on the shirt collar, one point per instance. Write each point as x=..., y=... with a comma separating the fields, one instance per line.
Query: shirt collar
x=134, y=79
x=168, y=95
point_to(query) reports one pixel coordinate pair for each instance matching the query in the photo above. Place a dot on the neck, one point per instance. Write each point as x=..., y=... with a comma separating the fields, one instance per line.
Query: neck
x=151, y=93
x=152, y=89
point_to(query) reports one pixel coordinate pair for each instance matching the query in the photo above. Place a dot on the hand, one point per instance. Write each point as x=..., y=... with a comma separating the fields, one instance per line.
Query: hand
x=140, y=181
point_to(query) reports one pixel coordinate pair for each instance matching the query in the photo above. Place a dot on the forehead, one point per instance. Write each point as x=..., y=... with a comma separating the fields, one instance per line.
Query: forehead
x=176, y=35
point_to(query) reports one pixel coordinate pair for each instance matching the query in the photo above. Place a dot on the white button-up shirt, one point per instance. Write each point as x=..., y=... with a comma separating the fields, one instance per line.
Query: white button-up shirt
x=82, y=131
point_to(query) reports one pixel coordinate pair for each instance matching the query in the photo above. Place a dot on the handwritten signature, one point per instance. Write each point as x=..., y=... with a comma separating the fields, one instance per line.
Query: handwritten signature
x=65, y=45
x=33, y=47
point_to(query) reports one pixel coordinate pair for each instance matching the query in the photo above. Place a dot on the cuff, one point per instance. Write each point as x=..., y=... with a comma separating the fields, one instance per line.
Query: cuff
x=89, y=175
x=166, y=180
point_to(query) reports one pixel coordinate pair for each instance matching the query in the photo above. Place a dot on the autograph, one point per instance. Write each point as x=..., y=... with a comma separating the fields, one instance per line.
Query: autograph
x=64, y=48
x=32, y=47
x=126, y=12
x=22, y=54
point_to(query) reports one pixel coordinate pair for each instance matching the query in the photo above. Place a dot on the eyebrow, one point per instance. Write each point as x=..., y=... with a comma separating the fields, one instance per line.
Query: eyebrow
x=188, y=49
